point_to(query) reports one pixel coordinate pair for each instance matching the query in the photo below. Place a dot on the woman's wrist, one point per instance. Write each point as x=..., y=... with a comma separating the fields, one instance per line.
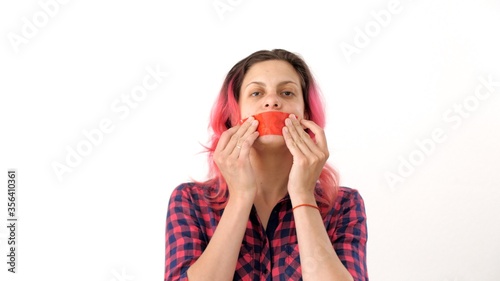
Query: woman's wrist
x=299, y=198
x=314, y=206
x=242, y=198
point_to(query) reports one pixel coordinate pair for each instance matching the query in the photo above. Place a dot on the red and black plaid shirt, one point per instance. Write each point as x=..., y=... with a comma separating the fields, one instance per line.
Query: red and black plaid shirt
x=270, y=254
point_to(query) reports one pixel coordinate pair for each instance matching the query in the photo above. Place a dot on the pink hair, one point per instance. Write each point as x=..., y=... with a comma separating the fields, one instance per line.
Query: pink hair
x=226, y=113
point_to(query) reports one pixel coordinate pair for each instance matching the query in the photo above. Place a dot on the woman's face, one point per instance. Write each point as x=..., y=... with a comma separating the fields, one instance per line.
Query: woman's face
x=271, y=85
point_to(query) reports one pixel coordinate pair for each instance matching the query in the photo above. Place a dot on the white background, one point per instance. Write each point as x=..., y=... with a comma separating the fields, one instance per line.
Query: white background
x=105, y=219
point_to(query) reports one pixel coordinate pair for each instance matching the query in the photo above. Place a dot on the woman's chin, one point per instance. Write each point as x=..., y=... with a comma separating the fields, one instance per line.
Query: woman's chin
x=270, y=141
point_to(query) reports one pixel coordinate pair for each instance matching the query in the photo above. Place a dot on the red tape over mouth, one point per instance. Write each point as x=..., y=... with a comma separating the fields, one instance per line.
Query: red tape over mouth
x=270, y=122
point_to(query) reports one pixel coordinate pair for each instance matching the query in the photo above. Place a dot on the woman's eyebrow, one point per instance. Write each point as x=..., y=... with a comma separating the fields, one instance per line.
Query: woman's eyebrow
x=255, y=82
x=263, y=84
x=287, y=82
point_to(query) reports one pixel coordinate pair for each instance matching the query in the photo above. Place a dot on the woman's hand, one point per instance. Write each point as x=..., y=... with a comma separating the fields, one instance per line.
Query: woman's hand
x=232, y=157
x=309, y=156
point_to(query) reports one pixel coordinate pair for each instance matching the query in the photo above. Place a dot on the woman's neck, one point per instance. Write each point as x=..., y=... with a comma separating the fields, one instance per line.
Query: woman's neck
x=271, y=167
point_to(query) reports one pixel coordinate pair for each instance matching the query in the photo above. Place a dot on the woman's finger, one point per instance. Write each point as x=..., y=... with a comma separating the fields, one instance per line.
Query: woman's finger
x=300, y=137
x=290, y=143
x=319, y=133
x=225, y=138
x=239, y=139
x=244, y=142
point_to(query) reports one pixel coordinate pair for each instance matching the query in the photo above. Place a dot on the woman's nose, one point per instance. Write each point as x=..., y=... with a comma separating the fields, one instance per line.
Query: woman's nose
x=272, y=105
x=272, y=101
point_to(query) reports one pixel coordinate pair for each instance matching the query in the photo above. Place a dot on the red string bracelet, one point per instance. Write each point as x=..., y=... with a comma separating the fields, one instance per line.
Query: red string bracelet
x=308, y=205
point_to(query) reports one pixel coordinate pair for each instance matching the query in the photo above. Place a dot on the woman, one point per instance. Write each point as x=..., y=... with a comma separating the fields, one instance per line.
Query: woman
x=272, y=209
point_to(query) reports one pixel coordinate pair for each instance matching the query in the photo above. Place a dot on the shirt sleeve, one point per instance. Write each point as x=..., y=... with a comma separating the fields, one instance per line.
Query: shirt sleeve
x=350, y=235
x=184, y=241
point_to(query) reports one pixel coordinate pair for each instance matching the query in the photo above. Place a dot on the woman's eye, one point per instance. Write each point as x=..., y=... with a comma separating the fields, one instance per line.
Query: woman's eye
x=254, y=94
x=287, y=93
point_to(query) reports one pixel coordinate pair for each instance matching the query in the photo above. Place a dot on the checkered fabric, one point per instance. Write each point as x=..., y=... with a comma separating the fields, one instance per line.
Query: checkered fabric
x=266, y=254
